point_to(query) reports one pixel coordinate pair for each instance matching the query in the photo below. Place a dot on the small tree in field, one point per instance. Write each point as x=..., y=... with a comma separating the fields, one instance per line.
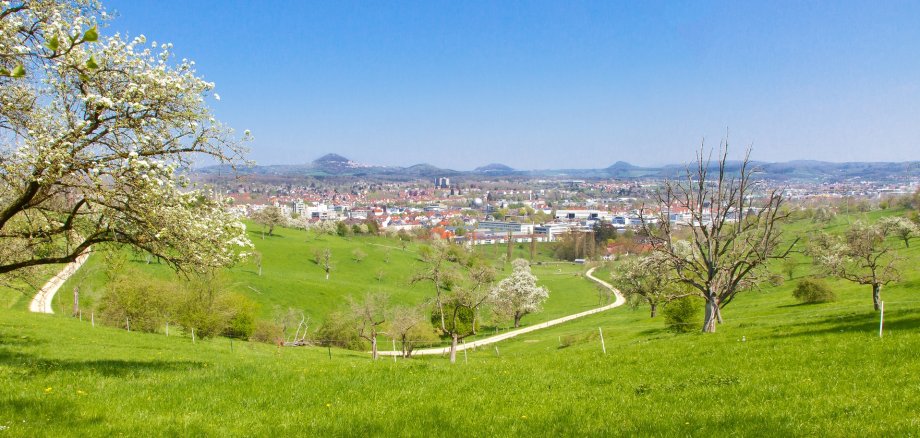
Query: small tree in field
x=518, y=295
x=269, y=217
x=734, y=230
x=649, y=279
x=863, y=255
x=368, y=315
x=410, y=328
x=461, y=284
x=358, y=255
x=324, y=260
x=900, y=227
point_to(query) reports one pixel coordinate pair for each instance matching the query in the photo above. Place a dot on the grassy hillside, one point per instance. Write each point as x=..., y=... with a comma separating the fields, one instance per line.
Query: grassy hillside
x=775, y=368
x=291, y=278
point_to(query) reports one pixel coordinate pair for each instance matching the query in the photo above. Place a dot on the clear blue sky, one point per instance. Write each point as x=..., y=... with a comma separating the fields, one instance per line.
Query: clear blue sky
x=552, y=84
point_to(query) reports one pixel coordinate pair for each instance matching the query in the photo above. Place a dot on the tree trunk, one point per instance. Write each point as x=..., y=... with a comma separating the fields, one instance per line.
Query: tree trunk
x=374, y=347
x=654, y=307
x=876, y=296
x=327, y=275
x=712, y=314
x=517, y=319
x=453, y=348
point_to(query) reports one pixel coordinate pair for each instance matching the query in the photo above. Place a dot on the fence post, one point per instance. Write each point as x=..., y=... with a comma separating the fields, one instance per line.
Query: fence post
x=193, y=336
x=881, y=318
x=92, y=318
x=128, y=323
x=394, y=349
x=167, y=329
x=603, y=347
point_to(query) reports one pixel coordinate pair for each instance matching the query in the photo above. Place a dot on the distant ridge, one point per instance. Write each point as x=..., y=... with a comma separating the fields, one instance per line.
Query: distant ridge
x=335, y=165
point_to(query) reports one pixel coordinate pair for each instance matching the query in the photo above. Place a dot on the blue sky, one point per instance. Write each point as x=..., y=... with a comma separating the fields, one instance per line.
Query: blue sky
x=552, y=84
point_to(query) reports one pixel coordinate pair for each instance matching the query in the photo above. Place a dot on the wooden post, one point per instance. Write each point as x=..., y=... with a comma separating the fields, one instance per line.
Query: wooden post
x=231, y=345
x=394, y=349
x=92, y=318
x=76, y=300
x=603, y=347
x=128, y=323
x=329, y=347
x=464, y=352
x=167, y=329
x=496, y=351
x=193, y=336
x=881, y=318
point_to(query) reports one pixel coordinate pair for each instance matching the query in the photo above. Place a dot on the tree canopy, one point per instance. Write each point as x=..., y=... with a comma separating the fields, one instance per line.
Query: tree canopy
x=96, y=136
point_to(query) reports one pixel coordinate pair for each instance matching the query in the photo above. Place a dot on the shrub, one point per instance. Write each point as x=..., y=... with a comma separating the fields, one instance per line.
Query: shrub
x=339, y=330
x=811, y=290
x=147, y=302
x=683, y=315
x=268, y=332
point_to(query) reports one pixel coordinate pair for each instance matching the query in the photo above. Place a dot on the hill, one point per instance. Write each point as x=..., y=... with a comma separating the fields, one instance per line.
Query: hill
x=334, y=165
x=775, y=367
x=291, y=278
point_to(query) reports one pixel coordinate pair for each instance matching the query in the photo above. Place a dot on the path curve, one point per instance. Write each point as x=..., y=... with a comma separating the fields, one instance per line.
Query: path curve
x=42, y=301
x=510, y=334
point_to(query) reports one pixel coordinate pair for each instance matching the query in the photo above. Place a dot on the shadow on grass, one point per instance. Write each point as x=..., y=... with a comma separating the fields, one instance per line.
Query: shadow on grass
x=901, y=320
x=33, y=365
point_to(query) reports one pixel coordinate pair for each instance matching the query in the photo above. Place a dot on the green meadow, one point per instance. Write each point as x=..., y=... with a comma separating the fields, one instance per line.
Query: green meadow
x=774, y=368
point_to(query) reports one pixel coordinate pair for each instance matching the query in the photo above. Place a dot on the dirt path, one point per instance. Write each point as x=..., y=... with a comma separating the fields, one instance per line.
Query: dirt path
x=42, y=301
x=510, y=334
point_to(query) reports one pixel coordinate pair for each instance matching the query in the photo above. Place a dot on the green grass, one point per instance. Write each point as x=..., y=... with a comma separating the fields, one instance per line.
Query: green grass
x=774, y=368
x=291, y=278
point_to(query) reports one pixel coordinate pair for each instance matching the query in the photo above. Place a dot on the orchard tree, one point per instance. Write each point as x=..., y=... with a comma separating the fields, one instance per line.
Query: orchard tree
x=324, y=260
x=410, y=328
x=733, y=230
x=900, y=227
x=96, y=136
x=649, y=279
x=461, y=282
x=269, y=217
x=518, y=294
x=368, y=315
x=863, y=255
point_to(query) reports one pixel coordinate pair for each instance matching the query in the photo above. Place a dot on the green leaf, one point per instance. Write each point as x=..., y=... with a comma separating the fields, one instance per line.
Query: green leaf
x=18, y=72
x=53, y=44
x=91, y=63
x=91, y=35
x=4, y=72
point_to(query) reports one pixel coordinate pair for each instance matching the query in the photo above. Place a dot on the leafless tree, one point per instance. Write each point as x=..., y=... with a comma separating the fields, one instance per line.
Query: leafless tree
x=734, y=229
x=368, y=315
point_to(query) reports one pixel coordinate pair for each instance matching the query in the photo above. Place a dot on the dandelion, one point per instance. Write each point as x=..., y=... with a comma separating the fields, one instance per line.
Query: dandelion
x=47, y=390
x=80, y=392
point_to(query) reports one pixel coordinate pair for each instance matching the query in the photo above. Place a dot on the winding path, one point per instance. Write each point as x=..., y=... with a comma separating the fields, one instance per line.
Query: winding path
x=510, y=334
x=42, y=301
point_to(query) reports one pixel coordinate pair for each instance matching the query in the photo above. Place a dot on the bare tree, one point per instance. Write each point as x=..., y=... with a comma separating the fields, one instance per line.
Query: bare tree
x=409, y=327
x=358, y=255
x=863, y=255
x=734, y=229
x=368, y=315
